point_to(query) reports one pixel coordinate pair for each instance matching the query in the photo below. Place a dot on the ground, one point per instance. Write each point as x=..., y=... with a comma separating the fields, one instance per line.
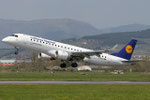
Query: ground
x=74, y=92
x=81, y=76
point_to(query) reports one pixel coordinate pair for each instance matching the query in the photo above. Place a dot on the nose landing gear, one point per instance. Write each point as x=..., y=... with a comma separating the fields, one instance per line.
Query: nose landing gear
x=16, y=52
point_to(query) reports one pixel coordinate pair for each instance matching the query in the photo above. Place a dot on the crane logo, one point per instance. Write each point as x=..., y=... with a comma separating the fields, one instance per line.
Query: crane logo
x=129, y=49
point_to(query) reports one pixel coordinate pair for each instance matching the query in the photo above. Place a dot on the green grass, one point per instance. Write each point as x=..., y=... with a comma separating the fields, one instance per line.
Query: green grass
x=74, y=92
x=94, y=76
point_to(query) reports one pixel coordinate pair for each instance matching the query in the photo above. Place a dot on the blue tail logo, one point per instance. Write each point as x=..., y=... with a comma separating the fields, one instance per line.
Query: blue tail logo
x=127, y=51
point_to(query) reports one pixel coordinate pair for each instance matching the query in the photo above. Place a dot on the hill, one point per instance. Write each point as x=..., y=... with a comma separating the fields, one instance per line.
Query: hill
x=103, y=41
x=56, y=29
x=126, y=28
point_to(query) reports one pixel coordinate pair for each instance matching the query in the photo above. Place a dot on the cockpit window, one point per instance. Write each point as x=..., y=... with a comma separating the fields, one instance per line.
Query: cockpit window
x=14, y=35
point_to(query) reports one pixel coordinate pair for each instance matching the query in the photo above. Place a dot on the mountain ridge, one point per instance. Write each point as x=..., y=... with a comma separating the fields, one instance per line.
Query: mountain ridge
x=55, y=29
x=103, y=41
x=126, y=28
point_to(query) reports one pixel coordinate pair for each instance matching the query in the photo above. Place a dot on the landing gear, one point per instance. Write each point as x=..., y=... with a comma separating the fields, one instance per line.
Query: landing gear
x=63, y=65
x=74, y=64
x=16, y=52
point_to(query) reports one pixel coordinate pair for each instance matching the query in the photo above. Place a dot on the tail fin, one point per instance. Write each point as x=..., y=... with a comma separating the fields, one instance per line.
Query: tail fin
x=127, y=51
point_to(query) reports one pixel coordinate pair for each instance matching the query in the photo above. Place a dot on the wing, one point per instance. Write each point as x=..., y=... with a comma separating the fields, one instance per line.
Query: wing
x=85, y=54
x=81, y=55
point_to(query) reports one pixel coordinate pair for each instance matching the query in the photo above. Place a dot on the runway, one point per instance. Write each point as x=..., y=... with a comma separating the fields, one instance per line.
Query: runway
x=73, y=82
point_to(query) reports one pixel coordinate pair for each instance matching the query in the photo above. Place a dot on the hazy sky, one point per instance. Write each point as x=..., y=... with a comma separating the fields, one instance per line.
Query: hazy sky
x=100, y=13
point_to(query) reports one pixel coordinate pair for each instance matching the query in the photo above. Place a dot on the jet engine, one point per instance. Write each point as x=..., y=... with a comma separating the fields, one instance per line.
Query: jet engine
x=43, y=55
x=59, y=54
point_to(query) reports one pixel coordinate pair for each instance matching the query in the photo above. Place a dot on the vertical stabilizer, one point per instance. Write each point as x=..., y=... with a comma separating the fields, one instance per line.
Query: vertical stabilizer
x=127, y=51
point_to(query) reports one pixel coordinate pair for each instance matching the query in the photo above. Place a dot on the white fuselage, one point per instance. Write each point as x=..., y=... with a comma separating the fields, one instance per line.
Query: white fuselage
x=49, y=47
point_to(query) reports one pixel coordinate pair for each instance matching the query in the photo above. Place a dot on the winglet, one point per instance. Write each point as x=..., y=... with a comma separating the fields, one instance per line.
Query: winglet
x=114, y=47
x=110, y=50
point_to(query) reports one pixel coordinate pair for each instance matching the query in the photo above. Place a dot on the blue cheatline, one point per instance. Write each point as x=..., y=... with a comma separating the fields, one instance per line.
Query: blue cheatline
x=126, y=52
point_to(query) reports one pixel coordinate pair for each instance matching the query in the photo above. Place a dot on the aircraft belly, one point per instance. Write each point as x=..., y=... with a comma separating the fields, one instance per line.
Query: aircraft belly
x=101, y=61
x=97, y=60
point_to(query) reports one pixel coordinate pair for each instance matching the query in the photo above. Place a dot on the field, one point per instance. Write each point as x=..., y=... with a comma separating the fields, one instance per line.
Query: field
x=81, y=76
x=74, y=92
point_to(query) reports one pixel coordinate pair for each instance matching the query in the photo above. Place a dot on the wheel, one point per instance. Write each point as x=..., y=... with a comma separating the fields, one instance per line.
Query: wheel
x=16, y=53
x=63, y=65
x=74, y=64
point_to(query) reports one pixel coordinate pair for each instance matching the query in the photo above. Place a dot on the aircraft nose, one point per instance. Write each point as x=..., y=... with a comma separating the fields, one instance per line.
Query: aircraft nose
x=5, y=39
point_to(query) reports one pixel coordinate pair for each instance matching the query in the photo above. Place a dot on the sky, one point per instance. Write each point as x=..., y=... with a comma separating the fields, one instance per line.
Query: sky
x=99, y=13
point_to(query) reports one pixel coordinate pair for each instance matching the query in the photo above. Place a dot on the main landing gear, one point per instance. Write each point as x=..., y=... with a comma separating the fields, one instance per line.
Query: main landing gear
x=64, y=65
x=74, y=64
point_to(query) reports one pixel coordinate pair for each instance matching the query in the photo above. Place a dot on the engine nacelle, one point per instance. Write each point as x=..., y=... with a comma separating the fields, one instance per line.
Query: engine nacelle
x=43, y=55
x=59, y=54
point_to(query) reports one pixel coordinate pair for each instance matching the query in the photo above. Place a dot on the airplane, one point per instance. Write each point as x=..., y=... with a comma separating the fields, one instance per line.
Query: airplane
x=67, y=52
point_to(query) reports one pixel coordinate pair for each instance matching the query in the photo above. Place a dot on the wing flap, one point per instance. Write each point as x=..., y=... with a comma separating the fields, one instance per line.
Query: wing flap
x=86, y=54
